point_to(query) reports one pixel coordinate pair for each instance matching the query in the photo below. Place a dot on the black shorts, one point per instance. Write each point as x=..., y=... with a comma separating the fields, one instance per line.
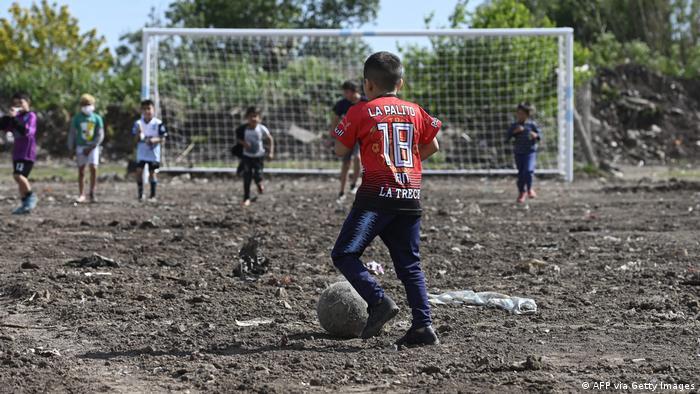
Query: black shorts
x=22, y=167
x=152, y=165
x=252, y=163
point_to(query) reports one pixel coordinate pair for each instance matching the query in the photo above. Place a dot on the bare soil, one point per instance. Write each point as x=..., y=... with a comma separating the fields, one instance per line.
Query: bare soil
x=617, y=286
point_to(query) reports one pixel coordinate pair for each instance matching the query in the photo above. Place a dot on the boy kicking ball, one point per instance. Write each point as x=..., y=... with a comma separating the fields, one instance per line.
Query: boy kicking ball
x=394, y=136
x=21, y=121
x=150, y=133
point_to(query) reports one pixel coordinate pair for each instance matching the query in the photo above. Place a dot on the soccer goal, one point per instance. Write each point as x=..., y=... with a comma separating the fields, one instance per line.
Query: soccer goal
x=202, y=81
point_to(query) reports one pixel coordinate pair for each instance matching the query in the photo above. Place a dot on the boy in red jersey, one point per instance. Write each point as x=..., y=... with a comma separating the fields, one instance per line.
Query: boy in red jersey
x=394, y=136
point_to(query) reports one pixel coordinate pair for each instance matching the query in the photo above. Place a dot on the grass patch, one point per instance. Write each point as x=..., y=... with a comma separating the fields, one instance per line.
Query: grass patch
x=57, y=172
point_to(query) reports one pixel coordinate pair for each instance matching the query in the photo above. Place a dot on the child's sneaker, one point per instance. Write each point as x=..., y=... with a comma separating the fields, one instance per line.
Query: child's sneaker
x=21, y=210
x=341, y=197
x=24, y=208
x=246, y=203
x=531, y=193
x=93, y=199
x=261, y=188
x=419, y=337
x=81, y=199
x=152, y=199
x=353, y=189
x=521, y=198
x=379, y=314
x=31, y=201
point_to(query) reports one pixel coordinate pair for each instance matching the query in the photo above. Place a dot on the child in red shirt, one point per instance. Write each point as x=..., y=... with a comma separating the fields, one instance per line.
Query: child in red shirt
x=394, y=136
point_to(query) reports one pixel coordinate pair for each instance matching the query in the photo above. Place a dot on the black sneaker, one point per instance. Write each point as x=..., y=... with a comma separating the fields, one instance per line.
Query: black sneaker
x=418, y=337
x=379, y=314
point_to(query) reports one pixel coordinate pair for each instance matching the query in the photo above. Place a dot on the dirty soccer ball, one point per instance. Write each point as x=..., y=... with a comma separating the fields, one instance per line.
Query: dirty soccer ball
x=341, y=311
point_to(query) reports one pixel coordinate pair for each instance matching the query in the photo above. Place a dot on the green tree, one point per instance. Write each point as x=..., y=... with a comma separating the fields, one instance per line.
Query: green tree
x=43, y=52
x=272, y=13
x=474, y=84
x=661, y=34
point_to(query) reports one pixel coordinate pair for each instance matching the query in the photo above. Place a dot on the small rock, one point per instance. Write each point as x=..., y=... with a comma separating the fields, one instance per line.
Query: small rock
x=147, y=224
x=281, y=292
x=315, y=382
x=167, y=263
x=474, y=210
x=94, y=261
x=198, y=299
x=27, y=265
x=179, y=373
x=430, y=369
x=389, y=370
x=143, y=297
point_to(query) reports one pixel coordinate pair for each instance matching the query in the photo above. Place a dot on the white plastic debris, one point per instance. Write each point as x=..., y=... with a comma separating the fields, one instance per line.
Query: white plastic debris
x=515, y=305
x=375, y=268
x=97, y=273
x=252, y=323
x=631, y=266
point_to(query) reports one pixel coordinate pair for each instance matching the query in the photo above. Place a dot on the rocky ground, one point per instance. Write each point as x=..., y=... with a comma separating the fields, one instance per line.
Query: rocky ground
x=642, y=117
x=613, y=269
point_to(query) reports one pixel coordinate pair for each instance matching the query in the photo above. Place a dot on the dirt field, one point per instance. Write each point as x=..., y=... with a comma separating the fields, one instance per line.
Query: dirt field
x=617, y=288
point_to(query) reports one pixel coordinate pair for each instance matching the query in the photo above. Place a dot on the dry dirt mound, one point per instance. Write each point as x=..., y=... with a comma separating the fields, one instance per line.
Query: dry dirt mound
x=644, y=116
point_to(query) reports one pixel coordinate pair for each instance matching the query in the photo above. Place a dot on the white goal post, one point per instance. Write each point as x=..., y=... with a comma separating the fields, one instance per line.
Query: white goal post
x=202, y=81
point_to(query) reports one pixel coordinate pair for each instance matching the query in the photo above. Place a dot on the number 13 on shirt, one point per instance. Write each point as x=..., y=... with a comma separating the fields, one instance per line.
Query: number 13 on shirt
x=399, y=144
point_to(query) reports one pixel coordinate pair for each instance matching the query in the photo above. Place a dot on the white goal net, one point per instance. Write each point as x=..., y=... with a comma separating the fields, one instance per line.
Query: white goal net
x=202, y=81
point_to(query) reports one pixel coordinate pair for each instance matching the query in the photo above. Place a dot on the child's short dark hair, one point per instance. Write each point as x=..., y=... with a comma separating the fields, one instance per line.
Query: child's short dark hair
x=526, y=107
x=351, y=86
x=147, y=103
x=22, y=96
x=252, y=111
x=384, y=69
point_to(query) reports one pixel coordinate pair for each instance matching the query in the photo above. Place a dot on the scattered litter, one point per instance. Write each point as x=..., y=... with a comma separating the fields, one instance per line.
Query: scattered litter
x=251, y=262
x=374, y=268
x=631, y=266
x=531, y=265
x=46, y=352
x=253, y=322
x=515, y=305
x=94, y=261
x=611, y=238
x=531, y=363
x=97, y=273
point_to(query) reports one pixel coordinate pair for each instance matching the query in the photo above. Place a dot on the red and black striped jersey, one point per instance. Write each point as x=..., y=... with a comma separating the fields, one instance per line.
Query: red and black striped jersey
x=389, y=131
